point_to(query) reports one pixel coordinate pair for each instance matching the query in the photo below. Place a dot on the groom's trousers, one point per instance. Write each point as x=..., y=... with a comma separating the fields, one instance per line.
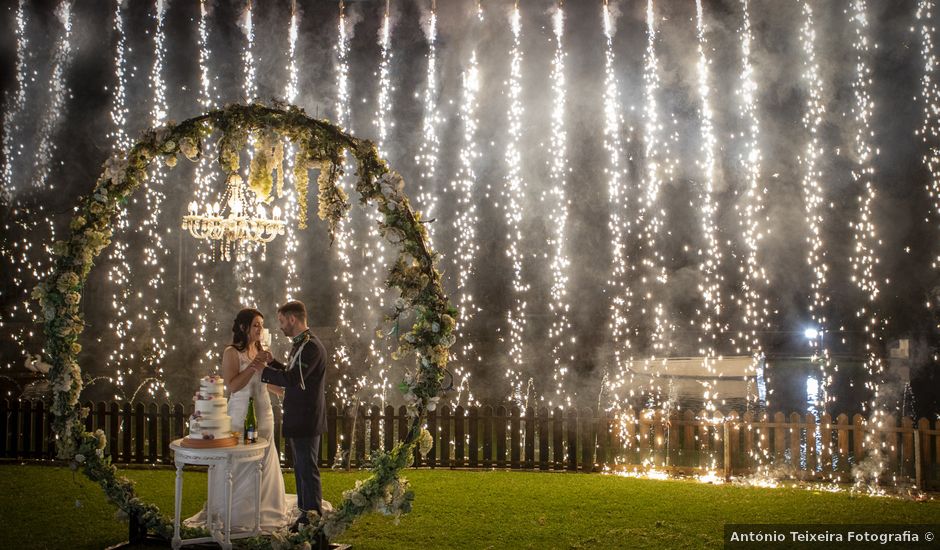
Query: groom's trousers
x=307, y=473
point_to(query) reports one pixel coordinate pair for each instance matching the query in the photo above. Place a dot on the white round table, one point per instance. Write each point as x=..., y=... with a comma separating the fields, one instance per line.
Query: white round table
x=226, y=457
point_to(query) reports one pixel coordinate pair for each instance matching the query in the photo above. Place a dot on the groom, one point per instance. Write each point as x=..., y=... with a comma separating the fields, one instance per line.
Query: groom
x=303, y=378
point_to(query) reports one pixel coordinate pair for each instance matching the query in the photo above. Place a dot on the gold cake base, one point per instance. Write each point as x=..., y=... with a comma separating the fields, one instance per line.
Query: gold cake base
x=191, y=443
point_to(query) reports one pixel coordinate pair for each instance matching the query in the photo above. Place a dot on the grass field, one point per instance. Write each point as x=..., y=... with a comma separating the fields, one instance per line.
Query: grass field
x=50, y=507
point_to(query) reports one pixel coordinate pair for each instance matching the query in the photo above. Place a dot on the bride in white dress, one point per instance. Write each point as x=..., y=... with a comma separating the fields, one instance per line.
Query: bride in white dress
x=277, y=508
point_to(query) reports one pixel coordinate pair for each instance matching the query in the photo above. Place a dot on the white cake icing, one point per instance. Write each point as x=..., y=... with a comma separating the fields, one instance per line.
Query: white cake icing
x=210, y=419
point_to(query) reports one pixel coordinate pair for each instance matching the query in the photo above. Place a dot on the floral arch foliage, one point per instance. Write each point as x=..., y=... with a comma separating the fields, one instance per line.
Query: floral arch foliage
x=319, y=145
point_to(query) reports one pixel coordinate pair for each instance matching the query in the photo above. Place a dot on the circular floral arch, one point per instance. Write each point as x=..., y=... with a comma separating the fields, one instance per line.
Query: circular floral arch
x=318, y=144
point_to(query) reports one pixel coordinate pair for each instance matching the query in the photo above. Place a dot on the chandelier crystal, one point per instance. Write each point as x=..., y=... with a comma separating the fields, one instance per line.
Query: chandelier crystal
x=232, y=224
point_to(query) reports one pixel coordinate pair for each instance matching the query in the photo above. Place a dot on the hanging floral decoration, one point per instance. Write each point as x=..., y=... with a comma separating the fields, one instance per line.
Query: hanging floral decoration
x=317, y=145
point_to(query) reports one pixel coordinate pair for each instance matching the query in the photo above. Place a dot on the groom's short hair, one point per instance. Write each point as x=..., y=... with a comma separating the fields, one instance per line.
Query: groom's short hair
x=295, y=308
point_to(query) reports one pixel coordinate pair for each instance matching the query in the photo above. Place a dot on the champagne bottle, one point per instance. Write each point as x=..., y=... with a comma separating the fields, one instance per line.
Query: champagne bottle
x=251, y=425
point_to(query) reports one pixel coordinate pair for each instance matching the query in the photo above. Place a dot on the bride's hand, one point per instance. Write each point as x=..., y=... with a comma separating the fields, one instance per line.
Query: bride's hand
x=264, y=356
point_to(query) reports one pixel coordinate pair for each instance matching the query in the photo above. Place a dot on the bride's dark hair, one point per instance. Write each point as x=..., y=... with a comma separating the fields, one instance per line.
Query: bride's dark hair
x=241, y=326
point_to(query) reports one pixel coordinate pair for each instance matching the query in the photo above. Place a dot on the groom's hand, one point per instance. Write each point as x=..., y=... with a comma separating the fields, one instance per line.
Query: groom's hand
x=257, y=364
x=264, y=356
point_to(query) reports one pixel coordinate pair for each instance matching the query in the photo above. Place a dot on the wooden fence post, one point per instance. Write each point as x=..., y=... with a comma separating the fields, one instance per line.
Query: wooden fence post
x=842, y=426
x=586, y=423
x=558, y=454
x=473, y=427
x=825, y=435
x=164, y=434
x=530, y=437
x=388, y=421
x=26, y=407
x=152, y=433
x=444, y=454
x=890, y=434
x=515, y=426
x=331, y=430
x=735, y=441
x=726, y=447
x=544, y=437
x=689, y=443
x=923, y=457
x=4, y=426
x=499, y=425
x=374, y=430
x=487, y=436
x=38, y=418
x=459, y=431
x=795, y=430
x=858, y=429
x=114, y=421
x=431, y=459
x=139, y=415
x=603, y=438
x=907, y=445
x=360, y=437
x=571, y=418
x=811, y=446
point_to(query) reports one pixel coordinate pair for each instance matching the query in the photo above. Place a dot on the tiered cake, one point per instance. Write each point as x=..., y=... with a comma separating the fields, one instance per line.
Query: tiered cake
x=210, y=425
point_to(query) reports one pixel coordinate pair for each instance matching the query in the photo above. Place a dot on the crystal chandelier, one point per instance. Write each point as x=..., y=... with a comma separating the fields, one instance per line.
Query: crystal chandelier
x=232, y=225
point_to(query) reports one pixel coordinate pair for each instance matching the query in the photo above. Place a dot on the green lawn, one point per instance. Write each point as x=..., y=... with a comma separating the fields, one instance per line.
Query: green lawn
x=46, y=507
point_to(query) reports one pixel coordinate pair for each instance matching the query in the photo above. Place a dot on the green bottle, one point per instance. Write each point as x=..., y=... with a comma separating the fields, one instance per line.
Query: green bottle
x=251, y=425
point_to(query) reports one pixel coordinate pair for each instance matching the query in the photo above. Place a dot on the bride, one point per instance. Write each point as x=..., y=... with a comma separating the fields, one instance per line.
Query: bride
x=277, y=508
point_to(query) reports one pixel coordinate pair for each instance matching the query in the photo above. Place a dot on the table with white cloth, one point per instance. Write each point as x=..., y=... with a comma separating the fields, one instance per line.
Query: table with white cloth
x=221, y=461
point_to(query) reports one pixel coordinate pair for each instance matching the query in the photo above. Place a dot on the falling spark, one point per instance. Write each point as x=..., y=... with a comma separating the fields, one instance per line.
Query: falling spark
x=290, y=94
x=559, y=334
x=513, y=197
x=200, y=307
x=465, y=225
x=619, y=224
x=58, y=92
x=930, y=95
x=154, y=319
x=428, y=152
x=813, y=197
x=865, y=238
x=119, y=270
x=374, y=249
x=13, y=109
x=710, y=315
x=244, y=267
x=654, y=276
x=755, y=278
x=384, y=106
x=347, y=386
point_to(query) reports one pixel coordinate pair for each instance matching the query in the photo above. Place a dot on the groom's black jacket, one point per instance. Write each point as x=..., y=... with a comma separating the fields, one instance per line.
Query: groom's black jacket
x=304, y=409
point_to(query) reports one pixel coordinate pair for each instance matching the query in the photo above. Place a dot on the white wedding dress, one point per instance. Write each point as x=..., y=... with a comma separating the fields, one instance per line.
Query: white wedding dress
x=277, y=508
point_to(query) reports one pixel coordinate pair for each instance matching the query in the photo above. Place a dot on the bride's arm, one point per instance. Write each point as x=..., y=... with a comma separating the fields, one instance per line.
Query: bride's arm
x=234, y=380
x=276, y=390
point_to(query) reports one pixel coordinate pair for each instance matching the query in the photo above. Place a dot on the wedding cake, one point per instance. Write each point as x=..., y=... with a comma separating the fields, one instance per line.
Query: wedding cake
x=210, y=425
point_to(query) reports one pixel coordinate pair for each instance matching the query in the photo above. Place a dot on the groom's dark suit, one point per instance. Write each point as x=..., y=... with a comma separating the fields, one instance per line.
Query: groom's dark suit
x=304, y=420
